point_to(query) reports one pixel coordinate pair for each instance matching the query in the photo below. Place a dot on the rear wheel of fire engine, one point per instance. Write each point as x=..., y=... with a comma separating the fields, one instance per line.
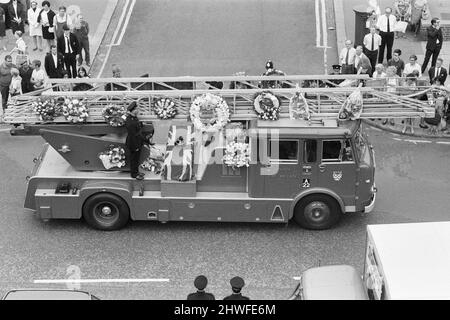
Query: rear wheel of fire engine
x=317, y=212
x=106, y=211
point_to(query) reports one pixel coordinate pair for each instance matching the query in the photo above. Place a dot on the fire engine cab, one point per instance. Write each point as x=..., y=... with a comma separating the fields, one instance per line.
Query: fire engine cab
x=310, y=171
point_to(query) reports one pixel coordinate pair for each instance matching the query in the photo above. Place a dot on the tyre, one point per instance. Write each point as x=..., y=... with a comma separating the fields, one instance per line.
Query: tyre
x=317, y=212
x=106, y=211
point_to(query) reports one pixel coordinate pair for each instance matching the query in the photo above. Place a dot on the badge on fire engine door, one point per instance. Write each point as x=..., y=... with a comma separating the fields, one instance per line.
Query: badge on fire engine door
x=306, y=183
x=337, y=175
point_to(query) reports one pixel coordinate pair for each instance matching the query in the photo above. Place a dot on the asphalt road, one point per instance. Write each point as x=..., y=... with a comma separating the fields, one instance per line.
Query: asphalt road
x=413, y=183
x=221, y=37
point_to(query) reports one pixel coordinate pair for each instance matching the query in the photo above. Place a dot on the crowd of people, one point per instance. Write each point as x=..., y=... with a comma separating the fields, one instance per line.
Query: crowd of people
x=66, y=48
x=376, y=57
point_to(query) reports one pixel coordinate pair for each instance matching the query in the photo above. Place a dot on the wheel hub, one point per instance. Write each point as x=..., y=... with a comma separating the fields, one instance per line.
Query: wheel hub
x=106, y=211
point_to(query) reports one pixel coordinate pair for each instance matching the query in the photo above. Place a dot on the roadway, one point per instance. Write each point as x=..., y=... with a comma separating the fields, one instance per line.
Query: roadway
x=413, y=186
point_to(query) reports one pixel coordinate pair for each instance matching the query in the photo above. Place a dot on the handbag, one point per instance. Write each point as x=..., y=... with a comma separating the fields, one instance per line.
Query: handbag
x=51, y=29
x=426, y=13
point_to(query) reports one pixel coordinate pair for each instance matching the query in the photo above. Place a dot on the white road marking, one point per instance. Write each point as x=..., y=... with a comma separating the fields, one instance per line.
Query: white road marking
x=318, y=35
x=5, y=130
x=325, y=36
x=116, y=32
x=125, y=25
x=443, y=142
x=48, y=281
x=297, y=278
x=417, y=141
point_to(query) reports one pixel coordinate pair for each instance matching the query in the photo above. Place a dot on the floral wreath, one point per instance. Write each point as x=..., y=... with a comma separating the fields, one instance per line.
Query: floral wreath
x=75, y=110
x=114, y=157
x=47, y=110
x=115, y=115
x=165, y=108
x=267, y=106
x=237, y=154
x=209, y=102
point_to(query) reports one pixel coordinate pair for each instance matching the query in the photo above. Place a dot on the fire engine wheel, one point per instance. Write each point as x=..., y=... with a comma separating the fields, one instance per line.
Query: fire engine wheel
x=317, y=212
x=106, y=211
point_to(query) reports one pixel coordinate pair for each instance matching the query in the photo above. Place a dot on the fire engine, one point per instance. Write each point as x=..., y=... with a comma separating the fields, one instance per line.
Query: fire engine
x=310, y=170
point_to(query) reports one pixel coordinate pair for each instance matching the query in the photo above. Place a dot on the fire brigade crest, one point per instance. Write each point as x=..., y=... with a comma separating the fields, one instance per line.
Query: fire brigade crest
x=337, y=175
x=306, y=183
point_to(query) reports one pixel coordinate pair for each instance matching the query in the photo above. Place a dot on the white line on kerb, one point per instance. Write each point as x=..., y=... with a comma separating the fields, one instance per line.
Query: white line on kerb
x=47, y=281
x=318, y=35
x=125, y=25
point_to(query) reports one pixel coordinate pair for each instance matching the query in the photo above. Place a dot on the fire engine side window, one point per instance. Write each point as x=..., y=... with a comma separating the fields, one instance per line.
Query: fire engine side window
x=287, y=150
x=331, y=150
x=310, y=151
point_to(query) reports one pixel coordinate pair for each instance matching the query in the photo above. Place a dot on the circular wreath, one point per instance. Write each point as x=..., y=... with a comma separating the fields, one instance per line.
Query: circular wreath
x=115, y=115
x=267, y=106
x=165, y=108
x=114, y=157
x=75, y=110
x=237, y=155
x=47, y=110
x=213, y=103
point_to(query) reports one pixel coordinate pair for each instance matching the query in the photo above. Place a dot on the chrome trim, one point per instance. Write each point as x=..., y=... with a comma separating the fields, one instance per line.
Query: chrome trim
x=370, y=207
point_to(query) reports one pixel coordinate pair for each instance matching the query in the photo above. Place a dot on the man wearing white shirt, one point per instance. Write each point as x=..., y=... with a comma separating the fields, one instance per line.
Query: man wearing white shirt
x=372, y=42
x=412, y=66
x=347, y=58
x=386, y=24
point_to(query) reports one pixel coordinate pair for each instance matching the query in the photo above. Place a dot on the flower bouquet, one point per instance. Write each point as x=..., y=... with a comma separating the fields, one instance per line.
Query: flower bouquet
x=47, y=110
x=267, y=106
x=352, y=107
x=152, y=165
x=237, y=155
x=75, y=110
x=114, y=157
x=165, y=108
x=115, y=115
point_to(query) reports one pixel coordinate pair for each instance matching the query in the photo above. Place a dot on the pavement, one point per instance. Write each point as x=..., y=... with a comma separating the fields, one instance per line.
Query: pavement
x=345, y=20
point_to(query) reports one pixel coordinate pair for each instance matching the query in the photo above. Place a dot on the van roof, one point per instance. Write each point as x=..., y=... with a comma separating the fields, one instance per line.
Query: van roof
x=304, y=128
x=415, y=259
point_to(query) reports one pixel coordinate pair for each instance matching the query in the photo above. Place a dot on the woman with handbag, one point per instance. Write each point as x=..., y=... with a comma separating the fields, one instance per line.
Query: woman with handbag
x=46, y=20
x=419, y=10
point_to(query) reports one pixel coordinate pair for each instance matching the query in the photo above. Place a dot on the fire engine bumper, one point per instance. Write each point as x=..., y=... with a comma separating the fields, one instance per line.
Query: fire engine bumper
x=370, y=207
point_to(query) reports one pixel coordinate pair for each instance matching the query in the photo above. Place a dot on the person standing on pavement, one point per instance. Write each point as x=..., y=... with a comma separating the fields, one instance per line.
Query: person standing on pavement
x=59, y=21
x=2, y=28
x=237, y=283
x=412, y=66
x=81, y=31
x=45, y=18
x=5, y=79
x=69, y=47
x=438, y=74
x=15, y=88
x=372, y=43
x=347, y=58
x=386, y=24
x=362, y=63
x=200, y=283
x=392, y=83
x=379, y=72
x=434, y=43
x=116, y=73
x=417, y=9
x=54, y=63
x=397, y=62
x=25, y=74
x=35, y=26
x=17, y=16
x=135, y=140
x=38, y=77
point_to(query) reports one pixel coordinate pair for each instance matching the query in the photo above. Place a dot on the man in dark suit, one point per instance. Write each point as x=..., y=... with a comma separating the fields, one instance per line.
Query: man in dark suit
x=438, y=74
x=200, y=283
x=54, y=63
x=434, y=43
x=17, y=15
x=69, y=47
x=135, y=140
x=237, y=283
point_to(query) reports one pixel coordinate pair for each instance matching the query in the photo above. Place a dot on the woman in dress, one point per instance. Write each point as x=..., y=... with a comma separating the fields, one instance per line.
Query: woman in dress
x=417, y=8
x=59, y=21
x=46, y=20
x=2, y=28
x=35, y=27
x=38, y=77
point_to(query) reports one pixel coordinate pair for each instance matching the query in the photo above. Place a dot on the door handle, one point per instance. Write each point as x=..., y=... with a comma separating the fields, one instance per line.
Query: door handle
x=322, y=167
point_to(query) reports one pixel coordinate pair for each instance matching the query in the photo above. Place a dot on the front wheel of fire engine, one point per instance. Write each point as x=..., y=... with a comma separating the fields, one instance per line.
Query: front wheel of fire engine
x=105, y=211
x=317, y=212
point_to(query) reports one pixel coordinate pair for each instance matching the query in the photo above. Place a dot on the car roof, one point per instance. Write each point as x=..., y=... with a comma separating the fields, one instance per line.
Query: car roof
x=47, y=294
x=337, y=282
